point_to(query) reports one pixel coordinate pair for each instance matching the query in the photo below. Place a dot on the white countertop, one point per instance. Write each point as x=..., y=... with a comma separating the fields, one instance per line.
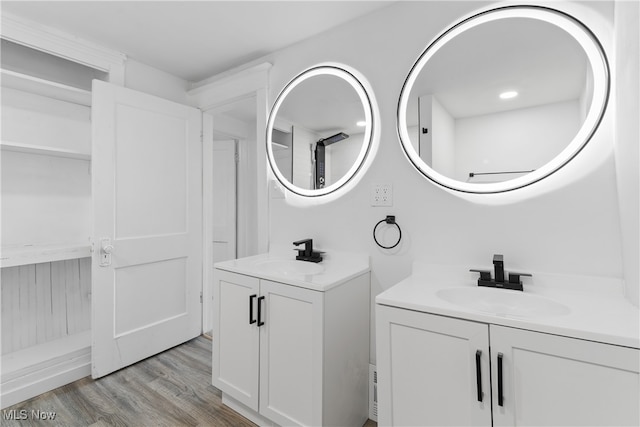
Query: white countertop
x=338, y=268
x=598, y=309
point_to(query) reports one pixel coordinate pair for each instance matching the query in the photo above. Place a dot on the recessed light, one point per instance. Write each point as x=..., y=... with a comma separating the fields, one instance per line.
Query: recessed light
x=508, y=95
x=361, y=123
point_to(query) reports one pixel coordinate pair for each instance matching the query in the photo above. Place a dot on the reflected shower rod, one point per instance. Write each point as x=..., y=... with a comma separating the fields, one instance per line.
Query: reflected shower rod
x=472, y=174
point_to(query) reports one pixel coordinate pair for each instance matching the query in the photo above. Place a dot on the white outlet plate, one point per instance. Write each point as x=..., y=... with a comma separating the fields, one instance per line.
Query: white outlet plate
x=381, y=195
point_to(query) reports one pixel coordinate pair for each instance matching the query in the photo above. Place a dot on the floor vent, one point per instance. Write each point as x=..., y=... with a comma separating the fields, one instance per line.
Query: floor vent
x=373, y=393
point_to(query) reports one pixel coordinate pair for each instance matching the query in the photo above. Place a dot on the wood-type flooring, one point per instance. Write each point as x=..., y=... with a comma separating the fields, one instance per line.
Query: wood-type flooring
x=172, y=388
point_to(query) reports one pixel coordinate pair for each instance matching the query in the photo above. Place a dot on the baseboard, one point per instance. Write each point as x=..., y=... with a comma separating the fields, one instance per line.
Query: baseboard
x=246, y=412
x=45, y=371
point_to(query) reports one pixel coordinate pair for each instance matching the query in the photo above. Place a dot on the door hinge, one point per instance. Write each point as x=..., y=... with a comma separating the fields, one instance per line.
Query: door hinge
x=200, y=297
x=201, y=136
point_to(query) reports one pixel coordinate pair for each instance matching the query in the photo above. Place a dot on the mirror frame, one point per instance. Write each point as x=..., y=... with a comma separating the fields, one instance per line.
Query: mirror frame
x=601, y=87
x=350, y=76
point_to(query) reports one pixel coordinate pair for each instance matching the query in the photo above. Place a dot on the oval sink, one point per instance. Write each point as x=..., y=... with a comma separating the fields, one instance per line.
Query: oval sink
x=289, y=267
x=503, y=302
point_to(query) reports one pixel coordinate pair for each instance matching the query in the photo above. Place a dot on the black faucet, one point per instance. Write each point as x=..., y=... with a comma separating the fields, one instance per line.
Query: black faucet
x=498, y=267
x=307, y=254
x=513, y=283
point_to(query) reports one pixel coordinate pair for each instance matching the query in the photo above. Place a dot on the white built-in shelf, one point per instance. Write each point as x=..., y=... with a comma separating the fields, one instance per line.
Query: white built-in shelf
x=48, y=354
x=278, y=146
x=44, y=150
x=27, y=83
x=34, y=370
x=11, y=256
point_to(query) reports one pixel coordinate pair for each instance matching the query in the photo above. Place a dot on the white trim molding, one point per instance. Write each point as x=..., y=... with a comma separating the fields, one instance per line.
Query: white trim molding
x=58, y=43
x=220, y=89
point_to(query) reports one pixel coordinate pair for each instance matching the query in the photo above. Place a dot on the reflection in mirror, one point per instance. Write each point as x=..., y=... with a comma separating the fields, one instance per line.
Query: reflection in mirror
x=501, y=97
x=319, y=130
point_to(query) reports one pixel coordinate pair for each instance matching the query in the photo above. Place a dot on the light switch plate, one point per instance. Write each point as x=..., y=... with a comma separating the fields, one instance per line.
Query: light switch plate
x=381, y=195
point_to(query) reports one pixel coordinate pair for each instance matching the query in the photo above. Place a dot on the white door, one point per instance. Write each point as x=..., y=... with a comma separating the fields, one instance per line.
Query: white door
x=224, y=200
x=432, y=370
x=291, y=354
x=236, y=342
x=548, y=380
x=220, y=219
x=147, y=193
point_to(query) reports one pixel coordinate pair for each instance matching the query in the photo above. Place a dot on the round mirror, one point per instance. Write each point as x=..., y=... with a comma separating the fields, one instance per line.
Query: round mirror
x=319, y=130
x=503, y=99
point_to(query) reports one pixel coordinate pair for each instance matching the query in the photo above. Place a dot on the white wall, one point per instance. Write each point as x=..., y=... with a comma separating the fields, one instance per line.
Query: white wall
x=574, y=229
x=444, y=144
x=143, y=78
x=627, y=110
x=522, y=139
x=438, y=145
x=45, y=199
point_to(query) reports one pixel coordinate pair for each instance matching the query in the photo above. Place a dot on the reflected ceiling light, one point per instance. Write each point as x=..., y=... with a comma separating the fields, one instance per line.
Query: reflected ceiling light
x=361, y=123
x=509, y=94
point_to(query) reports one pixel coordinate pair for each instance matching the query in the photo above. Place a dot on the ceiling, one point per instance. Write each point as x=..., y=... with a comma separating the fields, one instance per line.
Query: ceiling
x=539, y=60
x=193, y=39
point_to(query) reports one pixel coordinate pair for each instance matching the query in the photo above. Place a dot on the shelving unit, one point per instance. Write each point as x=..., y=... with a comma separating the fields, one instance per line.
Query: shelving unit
x=24, y=371
x=50, y=89
x=46, y=225
x=21, y=147
x=13, y=256
x=46, y=78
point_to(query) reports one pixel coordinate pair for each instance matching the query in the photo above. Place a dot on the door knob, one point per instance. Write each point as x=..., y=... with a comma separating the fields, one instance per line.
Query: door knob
x=105, y=252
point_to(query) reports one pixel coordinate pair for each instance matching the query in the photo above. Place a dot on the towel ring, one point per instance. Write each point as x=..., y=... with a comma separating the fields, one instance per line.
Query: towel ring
x=390, y=219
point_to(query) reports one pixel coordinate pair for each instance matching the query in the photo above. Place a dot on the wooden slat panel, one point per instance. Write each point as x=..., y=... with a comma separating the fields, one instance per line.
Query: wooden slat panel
x=41, y=306
x=24, y=313
x=58, y=299
x=9, y=308
x=43, y=283
x=85, y=288
x=74, y=300
x=44, y=302
x=32, y=301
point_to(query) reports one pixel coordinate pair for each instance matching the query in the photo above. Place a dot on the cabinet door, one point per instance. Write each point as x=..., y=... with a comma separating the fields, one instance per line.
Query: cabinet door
x=427, y=372
x=291, y=354
x=553, y=380
x=235, y=336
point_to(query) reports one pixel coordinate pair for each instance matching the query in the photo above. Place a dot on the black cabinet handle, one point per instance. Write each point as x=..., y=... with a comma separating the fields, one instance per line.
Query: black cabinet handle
x=251, y=319
x=500, y=398
x=478, y=376
x=260, y=322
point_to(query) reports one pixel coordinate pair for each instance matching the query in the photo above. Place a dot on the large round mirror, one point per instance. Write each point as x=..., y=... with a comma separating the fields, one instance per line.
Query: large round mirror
x=319, y=130
x=503, y=99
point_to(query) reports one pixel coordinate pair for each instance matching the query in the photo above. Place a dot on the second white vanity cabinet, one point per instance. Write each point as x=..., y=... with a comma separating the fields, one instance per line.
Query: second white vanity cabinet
x=435, y=370
x=290, y=355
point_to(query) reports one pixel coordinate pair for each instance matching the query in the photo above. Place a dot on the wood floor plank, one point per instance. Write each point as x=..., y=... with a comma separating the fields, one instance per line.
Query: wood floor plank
x=169, y=389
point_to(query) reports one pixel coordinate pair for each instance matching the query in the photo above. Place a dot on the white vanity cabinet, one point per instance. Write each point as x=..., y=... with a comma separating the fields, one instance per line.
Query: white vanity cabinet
x=290, y=355
x=554, y=380
x=427, y=370
x=433, y=370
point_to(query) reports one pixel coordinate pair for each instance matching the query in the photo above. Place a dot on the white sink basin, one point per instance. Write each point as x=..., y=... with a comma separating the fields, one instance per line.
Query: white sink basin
x=503, y=302
x=287, y=267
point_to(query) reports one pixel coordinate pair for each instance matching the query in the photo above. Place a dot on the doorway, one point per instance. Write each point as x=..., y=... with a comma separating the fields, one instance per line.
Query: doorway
x=230, y=209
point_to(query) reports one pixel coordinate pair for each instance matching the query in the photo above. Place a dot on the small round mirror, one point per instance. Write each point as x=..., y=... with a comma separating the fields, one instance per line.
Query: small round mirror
x=503, y=99
x=319, y=130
